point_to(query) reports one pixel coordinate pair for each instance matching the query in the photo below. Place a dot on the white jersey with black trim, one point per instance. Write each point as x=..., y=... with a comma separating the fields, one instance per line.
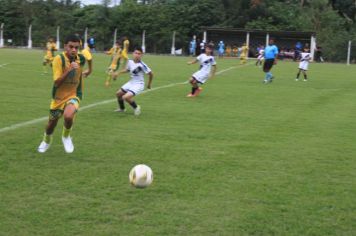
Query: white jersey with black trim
x=137, y=71
x=305, y=56
x=304, y=60
x=206, y=62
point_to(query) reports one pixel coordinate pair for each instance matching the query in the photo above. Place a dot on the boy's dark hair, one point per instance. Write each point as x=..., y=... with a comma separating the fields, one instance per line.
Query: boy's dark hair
x=138, y=49
x=72, y=38
x=210, y=45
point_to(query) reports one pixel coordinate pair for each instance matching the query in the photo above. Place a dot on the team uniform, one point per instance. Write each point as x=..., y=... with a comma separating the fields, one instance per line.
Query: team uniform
x=260, y=57
x=125, y=51
x=137, y=70
x=244, y=54
x=70, y=92
x=206, y=62
x=86, y=52
x=303, y=64
x=271, y=51
x=116, y=54
x=51, y=48
x=304, y=61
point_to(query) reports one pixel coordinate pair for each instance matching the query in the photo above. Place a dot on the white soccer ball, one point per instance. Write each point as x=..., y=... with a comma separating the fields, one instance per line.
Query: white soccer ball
x=141, y=176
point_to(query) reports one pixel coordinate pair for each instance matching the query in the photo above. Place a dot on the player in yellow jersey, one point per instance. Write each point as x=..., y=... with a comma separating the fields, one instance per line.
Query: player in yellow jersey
x=66, y=92
x=48, y=58
x=125, y=50
x=244, y=54
x=116, y=53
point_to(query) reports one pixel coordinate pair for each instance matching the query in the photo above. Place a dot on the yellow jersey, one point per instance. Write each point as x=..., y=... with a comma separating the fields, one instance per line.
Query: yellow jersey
x=51, y=47
x=72, y=87
x=87, y=54
x=125, y=51
x=244, y=51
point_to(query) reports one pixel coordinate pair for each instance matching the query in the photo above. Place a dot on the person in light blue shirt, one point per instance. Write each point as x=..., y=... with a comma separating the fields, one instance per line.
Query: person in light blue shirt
x=271, y=53
x=192, y=47
x=221, y=48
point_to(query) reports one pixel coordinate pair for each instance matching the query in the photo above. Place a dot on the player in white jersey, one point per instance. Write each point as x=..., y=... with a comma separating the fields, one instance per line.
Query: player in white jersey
x=136, y=84
x=304, y=63
x=261, y=56
x=207, y=70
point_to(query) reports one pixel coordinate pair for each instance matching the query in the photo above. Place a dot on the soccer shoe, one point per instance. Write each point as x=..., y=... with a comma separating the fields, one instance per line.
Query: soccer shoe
x=197, y=92
x=305, y=80
x=190, y=95
x=137, y=111
x=68, y=144
x=120, y=110
x=265, y=81
x=296, y=79
x=43, y=147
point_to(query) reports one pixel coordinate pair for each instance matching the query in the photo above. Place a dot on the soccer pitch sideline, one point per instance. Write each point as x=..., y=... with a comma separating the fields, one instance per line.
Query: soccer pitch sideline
x=243, y=158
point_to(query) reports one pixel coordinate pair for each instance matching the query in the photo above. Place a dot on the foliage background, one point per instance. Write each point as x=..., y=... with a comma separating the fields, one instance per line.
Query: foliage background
x=333, y=20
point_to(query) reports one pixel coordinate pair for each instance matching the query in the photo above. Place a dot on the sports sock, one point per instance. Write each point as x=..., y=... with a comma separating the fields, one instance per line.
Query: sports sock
x=133, y=104
x=121, y=103
x=305, y=76
x=66, y=132
x=298, y=75
x=194, y=89
x=47, y=138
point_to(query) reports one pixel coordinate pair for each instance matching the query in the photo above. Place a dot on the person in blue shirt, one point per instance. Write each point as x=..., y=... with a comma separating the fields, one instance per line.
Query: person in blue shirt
x=271, y=53
x=192, y=47
x=221, y=48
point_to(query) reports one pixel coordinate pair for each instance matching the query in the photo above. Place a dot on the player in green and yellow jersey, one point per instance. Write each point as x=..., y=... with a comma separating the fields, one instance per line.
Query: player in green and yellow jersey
x=125, y=51
x=66, y=93
x=51, y=47
x=244, y=54
x=116, y=53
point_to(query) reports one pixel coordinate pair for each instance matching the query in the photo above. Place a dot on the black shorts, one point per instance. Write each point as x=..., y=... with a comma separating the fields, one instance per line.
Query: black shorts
x=268, y=64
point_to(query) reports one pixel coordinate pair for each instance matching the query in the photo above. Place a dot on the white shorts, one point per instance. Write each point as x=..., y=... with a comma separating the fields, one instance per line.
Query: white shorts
x=133, y=87
x=260, y=57
x=303, y=65
x=201, y=76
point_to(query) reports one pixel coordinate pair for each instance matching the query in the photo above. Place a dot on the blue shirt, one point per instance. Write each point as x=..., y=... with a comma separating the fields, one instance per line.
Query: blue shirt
x=221, y=46
x=193, y=44
x=271, y=51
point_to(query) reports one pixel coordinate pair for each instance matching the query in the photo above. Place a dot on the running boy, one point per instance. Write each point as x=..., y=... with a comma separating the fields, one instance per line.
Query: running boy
x=207, y=70
x=271, y=54
x=66, y=92
x=136, y=84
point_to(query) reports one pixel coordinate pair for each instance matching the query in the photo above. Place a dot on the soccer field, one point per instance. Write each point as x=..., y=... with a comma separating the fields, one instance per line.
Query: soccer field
x=243, y=158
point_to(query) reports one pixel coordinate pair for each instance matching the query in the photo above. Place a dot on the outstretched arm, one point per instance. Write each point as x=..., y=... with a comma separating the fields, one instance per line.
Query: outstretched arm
x=192, y=62
x=150, y=78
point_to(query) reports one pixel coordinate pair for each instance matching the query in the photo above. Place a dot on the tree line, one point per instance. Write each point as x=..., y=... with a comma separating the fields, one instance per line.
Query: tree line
x=332, y=20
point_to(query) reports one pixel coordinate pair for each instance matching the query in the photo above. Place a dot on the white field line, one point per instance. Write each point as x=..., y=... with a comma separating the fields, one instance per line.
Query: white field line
x=31, y=122
x=2, y=65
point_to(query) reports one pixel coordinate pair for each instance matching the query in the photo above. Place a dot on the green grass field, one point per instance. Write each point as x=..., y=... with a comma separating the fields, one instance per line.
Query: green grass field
x=243, y=158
